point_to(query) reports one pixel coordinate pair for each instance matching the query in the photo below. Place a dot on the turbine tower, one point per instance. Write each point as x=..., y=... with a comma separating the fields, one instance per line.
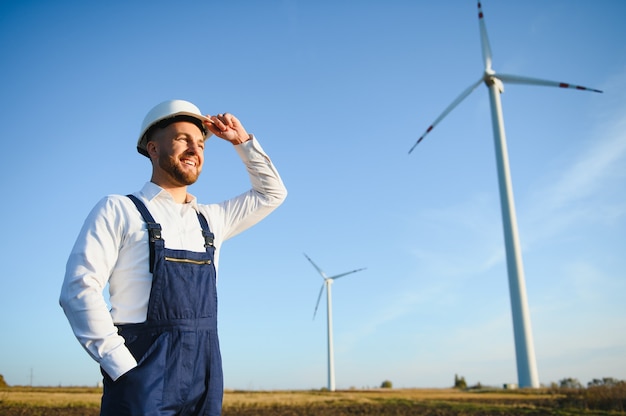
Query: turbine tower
x=328, y=281
x=524, y=346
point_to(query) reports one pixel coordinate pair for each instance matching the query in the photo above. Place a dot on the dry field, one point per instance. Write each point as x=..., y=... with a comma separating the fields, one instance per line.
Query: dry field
x=22, y=401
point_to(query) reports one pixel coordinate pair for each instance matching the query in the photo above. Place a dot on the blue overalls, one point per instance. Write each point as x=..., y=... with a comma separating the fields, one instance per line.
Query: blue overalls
x=179, y=369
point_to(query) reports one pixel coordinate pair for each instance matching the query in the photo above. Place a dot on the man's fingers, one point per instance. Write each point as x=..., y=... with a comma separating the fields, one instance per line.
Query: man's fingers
x=224, y=121
x=215, y=124
x=213, y=128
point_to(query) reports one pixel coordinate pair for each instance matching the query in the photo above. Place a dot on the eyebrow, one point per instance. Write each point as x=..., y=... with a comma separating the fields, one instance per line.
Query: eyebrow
x=188, y=136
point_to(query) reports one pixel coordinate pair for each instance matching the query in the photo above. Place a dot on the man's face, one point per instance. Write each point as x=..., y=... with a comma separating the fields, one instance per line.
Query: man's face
x=177, y=153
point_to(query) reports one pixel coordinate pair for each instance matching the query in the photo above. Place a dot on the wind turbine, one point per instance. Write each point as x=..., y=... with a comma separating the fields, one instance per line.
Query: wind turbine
x=328, y=281
x=524, y=347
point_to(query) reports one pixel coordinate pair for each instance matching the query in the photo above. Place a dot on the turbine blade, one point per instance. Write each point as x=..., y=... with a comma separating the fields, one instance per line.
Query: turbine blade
x=345, y=274
x=320, y=271
x=484, y=39
x=318, y=300
x=456, y=102
x=517, y=79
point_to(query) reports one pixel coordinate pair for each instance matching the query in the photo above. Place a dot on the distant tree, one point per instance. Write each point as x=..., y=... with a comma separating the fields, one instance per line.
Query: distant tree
x=605, y=382
x=386, y=384
x=570, y=383
x=459, y=382
x=595, y=382
x=2, y=382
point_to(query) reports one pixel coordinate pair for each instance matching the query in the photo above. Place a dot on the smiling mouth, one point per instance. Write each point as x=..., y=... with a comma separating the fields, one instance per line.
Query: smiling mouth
x=189, y=163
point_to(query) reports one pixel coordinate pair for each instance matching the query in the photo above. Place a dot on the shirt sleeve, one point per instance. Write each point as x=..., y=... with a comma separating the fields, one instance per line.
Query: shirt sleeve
x=87, y=272
x=266, y=194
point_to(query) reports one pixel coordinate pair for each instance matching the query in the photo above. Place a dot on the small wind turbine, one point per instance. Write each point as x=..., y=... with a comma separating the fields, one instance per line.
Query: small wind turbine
x=328, y=281
x=524, y=347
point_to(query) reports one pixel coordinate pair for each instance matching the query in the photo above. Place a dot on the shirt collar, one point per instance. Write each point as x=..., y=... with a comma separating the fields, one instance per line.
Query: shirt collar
x=151, y=191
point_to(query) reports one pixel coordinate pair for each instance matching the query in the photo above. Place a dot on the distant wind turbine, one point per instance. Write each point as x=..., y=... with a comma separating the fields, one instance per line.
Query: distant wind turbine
x=524, y=347
x=328, y=281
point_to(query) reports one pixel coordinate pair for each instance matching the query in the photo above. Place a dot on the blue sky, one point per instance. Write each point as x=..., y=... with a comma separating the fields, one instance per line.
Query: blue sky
x=337, y=93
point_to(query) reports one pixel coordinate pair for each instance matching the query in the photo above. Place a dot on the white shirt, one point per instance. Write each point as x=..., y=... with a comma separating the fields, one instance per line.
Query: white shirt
x=112, y=247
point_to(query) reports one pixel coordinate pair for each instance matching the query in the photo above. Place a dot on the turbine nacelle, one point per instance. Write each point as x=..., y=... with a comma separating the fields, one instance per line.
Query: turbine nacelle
x=491, y=79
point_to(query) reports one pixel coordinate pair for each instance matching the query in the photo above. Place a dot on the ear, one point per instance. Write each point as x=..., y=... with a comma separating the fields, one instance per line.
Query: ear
x=152, y=149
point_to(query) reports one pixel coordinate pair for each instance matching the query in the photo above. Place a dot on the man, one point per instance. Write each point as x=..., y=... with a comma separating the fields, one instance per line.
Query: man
x=158, y=250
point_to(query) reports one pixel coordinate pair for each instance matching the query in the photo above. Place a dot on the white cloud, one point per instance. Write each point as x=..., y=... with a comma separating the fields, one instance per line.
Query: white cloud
x=592, y=188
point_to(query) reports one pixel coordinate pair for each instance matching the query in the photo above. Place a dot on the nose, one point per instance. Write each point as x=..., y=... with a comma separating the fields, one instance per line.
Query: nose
x=195, y=146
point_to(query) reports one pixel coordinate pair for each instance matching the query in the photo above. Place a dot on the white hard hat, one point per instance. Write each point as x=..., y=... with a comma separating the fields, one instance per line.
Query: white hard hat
x=169, y=110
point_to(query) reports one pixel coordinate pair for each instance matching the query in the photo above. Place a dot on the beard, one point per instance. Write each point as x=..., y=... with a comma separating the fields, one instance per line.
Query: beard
x=175, y=169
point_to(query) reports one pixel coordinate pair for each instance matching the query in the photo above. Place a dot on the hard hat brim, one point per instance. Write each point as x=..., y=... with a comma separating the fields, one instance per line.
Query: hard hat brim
x=143, y=139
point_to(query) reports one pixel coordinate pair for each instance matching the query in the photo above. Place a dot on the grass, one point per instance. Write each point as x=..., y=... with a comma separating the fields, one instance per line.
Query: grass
x=50, y=396
x=373, y=395
x=74, y=401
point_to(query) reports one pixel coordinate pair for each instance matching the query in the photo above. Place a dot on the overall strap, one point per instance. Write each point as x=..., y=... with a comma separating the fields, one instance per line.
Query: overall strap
x=206, y=232
x=154, y=228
